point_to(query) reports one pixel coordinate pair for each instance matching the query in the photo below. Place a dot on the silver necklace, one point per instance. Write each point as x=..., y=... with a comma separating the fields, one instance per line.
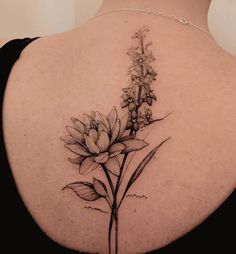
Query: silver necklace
x=155, y=12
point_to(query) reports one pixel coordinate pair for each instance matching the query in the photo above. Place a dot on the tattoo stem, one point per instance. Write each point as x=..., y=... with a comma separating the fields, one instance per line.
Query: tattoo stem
x=139, y=96
x=116, y=230
x=108, y=178
x=114, y=212
x=108, y=201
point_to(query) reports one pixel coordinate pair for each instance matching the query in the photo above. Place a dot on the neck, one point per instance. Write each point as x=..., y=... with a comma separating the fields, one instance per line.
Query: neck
x=194, y=10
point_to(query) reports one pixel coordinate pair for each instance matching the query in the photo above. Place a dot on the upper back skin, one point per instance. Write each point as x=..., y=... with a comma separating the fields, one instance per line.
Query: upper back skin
x=65, y=75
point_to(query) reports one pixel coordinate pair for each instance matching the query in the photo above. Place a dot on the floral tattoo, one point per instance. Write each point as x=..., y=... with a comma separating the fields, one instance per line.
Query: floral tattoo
x=105, y=142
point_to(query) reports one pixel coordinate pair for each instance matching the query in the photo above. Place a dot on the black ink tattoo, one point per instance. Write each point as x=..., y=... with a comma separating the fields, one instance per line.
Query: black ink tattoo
x=105, y=141
x=136, y=196
x=95, y=209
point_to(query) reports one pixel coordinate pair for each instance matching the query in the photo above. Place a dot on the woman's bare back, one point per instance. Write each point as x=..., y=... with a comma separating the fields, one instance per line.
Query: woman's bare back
x=69, y=74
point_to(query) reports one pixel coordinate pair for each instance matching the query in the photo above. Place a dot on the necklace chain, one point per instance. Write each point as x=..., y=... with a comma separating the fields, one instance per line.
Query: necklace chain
x=155, y=12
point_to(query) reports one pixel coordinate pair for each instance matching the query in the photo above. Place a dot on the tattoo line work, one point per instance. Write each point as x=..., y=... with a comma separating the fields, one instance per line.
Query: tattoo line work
x=136, y=196
x=106, y=142
x=95, y=209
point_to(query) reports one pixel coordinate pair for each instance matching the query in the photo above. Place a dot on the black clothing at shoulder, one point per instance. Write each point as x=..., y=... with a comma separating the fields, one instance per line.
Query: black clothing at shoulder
x=20, y=232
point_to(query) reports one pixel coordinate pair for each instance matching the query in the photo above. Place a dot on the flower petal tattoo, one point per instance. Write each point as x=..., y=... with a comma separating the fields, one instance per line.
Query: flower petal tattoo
x=105, y=142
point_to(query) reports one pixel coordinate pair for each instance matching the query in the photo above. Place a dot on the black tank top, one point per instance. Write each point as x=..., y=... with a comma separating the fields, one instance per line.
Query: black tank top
x=21, y=233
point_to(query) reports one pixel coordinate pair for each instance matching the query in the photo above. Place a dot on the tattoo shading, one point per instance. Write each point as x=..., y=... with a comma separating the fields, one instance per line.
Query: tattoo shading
x=95, y=209
x=136, y=196
x=105, y=142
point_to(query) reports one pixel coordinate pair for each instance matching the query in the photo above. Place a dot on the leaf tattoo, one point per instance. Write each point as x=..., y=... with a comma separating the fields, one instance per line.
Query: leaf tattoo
x=100, y=187
x=143, y=164
x=105, y=142
x=84, y=190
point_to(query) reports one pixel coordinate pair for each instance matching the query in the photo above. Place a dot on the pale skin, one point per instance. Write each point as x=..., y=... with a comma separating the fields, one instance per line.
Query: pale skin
x=85, y=69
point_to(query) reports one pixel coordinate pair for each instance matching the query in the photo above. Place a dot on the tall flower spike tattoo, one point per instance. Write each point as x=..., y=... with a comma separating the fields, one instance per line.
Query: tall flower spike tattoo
x=105, y=142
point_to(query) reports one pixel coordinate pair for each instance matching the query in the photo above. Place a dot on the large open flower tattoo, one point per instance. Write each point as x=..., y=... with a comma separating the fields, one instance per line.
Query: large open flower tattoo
x=105, y=141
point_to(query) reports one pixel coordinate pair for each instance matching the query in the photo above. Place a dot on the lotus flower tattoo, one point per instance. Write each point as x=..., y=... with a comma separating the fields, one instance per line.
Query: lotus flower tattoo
x=97, y=140
x=105, y=142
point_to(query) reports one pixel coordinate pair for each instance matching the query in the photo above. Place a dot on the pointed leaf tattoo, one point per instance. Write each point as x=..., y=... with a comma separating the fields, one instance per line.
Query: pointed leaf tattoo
x=84, y=190
x=143, y=164
x=100, y=187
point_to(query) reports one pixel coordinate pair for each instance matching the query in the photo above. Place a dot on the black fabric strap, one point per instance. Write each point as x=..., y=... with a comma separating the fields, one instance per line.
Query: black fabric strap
x=9, y=54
